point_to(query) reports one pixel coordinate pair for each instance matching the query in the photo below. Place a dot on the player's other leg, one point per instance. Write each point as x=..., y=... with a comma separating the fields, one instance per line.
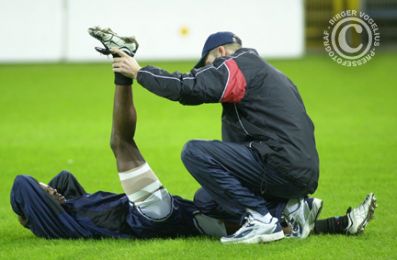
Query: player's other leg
x=40, y=210
x=353, y=223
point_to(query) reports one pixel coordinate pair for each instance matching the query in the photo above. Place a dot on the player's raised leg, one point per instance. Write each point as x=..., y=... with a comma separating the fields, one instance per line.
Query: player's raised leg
x=138, y=180
x=144, y=190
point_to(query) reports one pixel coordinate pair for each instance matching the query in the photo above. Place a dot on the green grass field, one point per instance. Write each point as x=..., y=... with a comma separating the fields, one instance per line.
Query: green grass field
x=56, y=117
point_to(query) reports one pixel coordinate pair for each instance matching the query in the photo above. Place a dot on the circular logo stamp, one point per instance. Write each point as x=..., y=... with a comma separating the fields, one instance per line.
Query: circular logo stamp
x=351, y=38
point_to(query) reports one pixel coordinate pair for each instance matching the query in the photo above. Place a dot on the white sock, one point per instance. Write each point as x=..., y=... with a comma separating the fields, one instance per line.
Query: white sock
x=264, y=218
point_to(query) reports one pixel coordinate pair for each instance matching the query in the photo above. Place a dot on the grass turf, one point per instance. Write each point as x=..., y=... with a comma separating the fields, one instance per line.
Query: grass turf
x=56, y=117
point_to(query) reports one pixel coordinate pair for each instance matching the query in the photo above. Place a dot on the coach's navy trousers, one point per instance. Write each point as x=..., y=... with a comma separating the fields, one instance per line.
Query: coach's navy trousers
x=236, y=179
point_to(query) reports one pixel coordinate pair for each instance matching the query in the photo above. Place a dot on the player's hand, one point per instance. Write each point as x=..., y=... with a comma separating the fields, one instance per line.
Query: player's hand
x=125, y=64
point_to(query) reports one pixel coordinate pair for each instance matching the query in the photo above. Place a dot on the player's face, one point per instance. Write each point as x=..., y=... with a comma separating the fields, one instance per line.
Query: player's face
x=53, y=193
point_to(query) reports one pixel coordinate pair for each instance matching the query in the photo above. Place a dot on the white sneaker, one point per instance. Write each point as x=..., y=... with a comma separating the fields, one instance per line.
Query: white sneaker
x=359, y=217
x=316, y=205
x=110, y=40
x=255, y=231
x=301, y=215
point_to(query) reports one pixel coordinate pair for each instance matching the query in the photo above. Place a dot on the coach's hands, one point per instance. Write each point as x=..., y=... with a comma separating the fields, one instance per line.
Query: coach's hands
x=125, y=64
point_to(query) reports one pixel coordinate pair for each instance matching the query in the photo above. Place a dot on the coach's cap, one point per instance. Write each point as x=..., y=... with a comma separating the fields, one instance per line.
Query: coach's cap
x=215, y=40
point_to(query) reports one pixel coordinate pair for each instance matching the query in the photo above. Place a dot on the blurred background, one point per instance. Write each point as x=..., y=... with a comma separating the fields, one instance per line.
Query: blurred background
x=56, y=100
x=56, y=30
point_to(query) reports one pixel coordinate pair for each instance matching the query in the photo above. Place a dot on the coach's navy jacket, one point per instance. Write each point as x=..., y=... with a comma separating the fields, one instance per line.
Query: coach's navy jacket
x=261, y=107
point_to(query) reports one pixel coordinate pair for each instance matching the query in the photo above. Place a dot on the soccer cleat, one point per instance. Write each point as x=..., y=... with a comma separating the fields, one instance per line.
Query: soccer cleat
x=359, y=217
x=255, y=231
x=110, y=39
x=301, y=215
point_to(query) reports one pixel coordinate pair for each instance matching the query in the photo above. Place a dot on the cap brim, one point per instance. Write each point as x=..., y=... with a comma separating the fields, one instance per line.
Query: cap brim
x=201, y=62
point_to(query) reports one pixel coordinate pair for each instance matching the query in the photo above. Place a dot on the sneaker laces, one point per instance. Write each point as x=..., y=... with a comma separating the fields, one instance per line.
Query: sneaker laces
x=247, y=220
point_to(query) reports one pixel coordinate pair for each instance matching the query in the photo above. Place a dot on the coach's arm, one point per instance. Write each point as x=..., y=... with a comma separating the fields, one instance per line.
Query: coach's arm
x=222, y=81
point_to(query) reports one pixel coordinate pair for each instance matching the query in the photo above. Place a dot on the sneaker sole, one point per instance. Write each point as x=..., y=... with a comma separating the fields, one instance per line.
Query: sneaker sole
x=370, y=214
x=100, y=39
x=273, y=237
x=258, y=239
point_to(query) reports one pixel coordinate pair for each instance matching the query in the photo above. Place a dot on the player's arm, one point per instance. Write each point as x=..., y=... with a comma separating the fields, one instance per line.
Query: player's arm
x=221, y=82
x=123, y=129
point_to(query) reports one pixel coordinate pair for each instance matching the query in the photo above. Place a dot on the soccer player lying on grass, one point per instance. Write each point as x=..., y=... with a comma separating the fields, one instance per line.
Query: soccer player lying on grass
x=63, y=209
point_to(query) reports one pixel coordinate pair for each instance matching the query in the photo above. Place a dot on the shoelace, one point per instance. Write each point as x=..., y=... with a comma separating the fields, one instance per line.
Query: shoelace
x=247, y=220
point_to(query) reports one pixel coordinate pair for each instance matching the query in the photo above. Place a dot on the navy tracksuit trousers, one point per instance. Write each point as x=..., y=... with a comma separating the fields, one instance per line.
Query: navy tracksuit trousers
x=236, y=179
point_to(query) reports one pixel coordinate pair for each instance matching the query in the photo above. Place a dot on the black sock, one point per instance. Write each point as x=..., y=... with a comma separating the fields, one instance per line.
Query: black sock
x=334, y=225
x=120, y=79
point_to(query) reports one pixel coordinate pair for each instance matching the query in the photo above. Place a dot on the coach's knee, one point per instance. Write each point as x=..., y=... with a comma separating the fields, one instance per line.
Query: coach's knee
x=192, y=153
x=189, y=149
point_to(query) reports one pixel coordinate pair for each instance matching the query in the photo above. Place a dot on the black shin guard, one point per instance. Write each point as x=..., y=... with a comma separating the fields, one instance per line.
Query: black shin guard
x=334, y=225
